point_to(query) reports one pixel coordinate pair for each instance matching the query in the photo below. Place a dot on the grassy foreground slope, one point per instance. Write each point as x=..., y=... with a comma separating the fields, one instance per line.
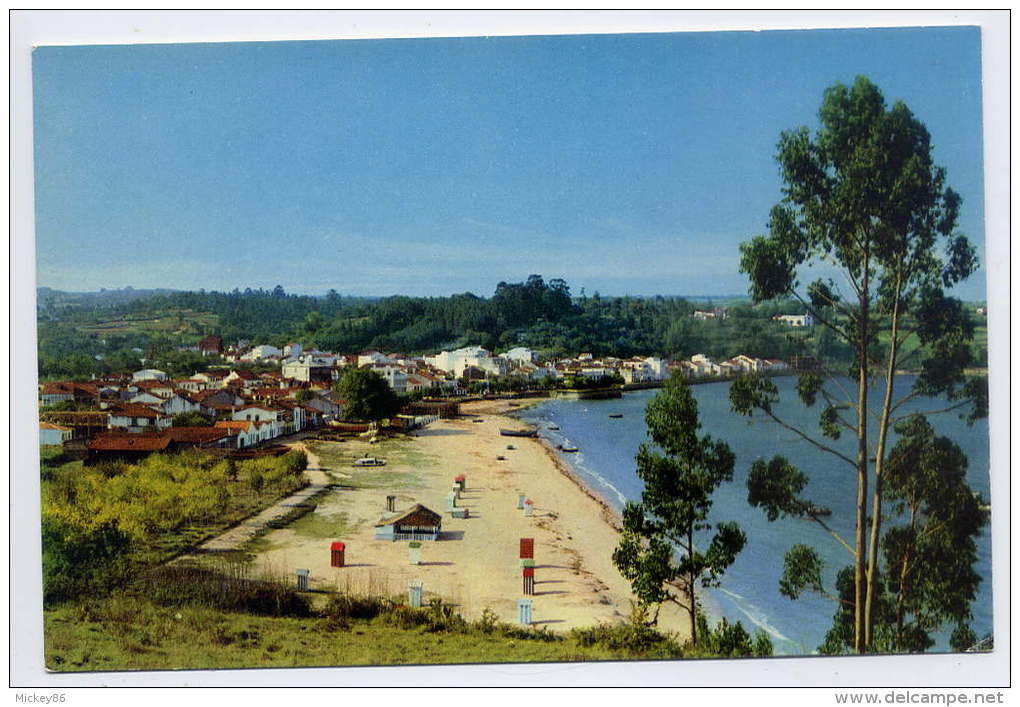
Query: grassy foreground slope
x=124, y=633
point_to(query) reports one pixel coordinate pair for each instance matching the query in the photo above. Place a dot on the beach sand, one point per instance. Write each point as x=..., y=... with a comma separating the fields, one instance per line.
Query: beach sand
x=475, y=565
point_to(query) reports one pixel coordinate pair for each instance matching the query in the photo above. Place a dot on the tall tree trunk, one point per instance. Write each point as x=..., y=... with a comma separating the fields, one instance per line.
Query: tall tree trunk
x=690, y=583
x=876, y=505
x=860, y=570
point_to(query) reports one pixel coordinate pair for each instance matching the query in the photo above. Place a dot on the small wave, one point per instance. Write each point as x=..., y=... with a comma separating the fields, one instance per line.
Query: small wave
x=583, y=471
x=755, y=615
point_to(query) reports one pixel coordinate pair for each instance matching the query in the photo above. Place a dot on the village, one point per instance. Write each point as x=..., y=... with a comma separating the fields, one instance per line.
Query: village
x=132, y=415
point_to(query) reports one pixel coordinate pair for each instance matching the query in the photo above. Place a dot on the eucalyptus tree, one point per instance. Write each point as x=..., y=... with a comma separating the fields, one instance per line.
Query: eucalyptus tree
x=659, y=549
x=864, y=200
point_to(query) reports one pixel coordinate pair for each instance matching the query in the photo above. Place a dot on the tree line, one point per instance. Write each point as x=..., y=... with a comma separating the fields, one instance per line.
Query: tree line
x=539, y=314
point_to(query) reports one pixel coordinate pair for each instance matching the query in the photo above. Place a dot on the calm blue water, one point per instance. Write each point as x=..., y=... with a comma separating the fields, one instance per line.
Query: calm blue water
x=750, y=588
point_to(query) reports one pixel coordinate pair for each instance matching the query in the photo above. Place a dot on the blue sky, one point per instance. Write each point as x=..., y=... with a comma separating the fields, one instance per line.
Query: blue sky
x=626, y=164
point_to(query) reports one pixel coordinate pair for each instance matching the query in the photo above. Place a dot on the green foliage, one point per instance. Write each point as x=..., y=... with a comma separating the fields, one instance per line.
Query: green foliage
x=636, y=639
x=96, y=519
x=927, y=580
x=802, y=570
x=864, y=195
x=726, y=640
x=750, y=393
x=930, y=559
x=775, y=486
x=678, y=484
x=191, y=419
x=79, y=560
x=366, y=395
x=536, y=313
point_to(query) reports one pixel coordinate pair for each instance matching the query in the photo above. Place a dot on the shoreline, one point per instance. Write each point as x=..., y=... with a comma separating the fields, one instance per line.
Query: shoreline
x=475, y=564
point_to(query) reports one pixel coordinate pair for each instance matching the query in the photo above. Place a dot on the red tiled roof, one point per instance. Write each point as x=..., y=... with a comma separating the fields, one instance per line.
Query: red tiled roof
x=132, y=410
x=196, y=434
x=69, y=388
x=241, y=425
x=129, y=442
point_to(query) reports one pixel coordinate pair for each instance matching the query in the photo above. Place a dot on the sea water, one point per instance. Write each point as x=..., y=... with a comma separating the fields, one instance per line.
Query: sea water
x=749, y=591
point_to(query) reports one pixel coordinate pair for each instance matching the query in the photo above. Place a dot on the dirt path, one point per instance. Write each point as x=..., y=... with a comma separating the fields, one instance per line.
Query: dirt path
x=250, y=527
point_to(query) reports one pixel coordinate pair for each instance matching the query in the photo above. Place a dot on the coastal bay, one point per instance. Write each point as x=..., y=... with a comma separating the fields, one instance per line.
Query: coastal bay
x=749, y=591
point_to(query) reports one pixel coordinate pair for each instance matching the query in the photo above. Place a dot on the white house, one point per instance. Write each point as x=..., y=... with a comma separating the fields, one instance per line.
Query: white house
x=148, y=374
x=176, y=404
x=262, y=352
x=137, y=418
x=750, y=364
x=256, y=413
x=594, y=371
x=307, y=368
x=704, y=366
x=53, y=434
x=797, y=320
x=456, y=361
x=246, y=433
x=520, y=354
x=395, y=376
x=240, y=376
x=705, y=315
x=658, y=368
x=371, y=357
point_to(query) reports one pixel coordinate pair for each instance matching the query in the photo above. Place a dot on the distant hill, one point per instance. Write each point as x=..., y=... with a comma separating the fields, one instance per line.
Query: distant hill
x=47, y=296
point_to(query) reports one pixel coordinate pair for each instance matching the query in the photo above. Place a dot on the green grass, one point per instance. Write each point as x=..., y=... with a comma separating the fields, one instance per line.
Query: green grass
x=397, y=452
x=128, y=632
x=321, y=525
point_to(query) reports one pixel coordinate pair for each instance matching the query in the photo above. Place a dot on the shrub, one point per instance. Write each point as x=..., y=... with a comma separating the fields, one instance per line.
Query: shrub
x=726, y=640
x=77, y=561
x=231, y=589
x=348, y=606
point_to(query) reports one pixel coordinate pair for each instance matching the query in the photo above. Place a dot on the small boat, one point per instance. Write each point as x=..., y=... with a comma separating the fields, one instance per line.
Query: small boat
x=553, y=427
x=518, y=433
x=369, y=461
x=566, y=448
x=510, y=446
x=500, y=458
x=616, y=415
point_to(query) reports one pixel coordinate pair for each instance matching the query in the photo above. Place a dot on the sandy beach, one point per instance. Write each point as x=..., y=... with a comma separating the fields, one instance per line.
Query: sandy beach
x=475, y=564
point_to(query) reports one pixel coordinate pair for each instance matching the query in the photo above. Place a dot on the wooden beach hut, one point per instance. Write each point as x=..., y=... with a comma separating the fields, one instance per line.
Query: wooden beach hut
x=417, y=523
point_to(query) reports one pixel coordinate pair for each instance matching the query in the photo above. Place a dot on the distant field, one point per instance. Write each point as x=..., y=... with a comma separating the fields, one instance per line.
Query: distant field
x=172, y=321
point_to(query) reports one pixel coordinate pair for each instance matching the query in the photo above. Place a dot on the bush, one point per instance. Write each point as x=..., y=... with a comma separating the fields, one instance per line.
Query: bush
x=629, y=638
x=727, y=640
x=231, y=589
x=78, y=561
x=295, y=461
x=348, y=606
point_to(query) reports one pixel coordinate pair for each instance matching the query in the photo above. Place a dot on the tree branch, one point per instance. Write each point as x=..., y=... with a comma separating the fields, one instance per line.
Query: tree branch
x=849, y=398
x=934, y=412
x=834, y=534
x=823, y=447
